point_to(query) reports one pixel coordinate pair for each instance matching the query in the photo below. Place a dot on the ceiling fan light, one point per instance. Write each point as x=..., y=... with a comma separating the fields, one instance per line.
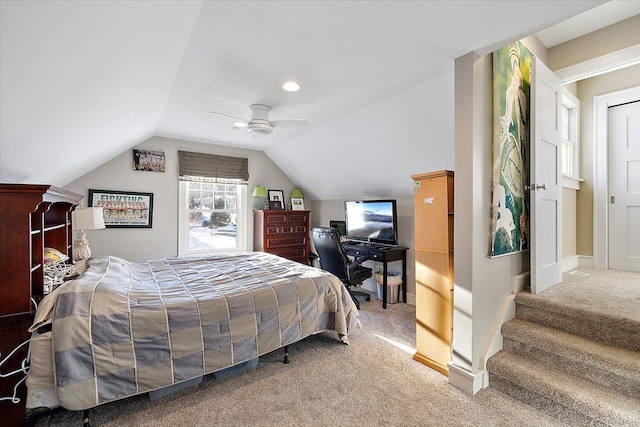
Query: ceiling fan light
x=259, y=129
x=240, y=124
x=291, y=86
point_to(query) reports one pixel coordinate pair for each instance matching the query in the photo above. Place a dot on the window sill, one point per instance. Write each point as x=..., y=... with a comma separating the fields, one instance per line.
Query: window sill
x=571, y=182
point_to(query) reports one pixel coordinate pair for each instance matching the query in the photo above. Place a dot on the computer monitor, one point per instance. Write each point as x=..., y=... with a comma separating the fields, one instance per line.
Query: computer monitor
x=341, y=226
x=372, y=221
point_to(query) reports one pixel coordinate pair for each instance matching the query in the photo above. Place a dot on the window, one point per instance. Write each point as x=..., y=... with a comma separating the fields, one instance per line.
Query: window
x=212, y=203
x=569, y=125
x=213, y=217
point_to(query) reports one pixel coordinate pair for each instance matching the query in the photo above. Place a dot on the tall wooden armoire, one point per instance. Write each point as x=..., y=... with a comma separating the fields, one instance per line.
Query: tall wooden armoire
x=433, y=205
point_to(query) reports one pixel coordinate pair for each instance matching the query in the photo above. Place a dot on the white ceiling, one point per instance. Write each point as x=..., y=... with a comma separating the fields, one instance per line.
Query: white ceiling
x=83, y=81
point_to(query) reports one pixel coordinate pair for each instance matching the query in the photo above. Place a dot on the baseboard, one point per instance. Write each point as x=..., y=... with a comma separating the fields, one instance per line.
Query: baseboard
x=570, y=263
x=464, y=380
x=436, y=366
x=586, y=261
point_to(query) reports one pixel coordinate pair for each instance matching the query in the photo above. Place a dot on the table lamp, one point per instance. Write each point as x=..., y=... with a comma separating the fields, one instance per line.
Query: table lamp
x=85, y=219
x=259, y=191
x=297, y=192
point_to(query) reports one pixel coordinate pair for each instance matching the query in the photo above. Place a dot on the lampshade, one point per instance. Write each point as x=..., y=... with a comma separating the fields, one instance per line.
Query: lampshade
x=297, y=192
x=87, y=219
x=259, y=191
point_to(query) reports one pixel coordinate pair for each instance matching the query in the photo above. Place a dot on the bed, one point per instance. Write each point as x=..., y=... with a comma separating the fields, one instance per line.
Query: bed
x=122, y=328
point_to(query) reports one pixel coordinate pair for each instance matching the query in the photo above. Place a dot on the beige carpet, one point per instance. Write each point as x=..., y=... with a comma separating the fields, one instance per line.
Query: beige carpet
x=574, y=349
x=611, y=293
x=372, y=382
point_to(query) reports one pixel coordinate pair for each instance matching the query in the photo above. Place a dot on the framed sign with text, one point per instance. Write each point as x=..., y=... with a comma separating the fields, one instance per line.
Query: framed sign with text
x=123, y=209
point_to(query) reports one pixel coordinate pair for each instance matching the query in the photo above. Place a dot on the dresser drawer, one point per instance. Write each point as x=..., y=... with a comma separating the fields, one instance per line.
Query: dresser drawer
x=284, y=233
x=299, y=255
x=286, y=230
x=298, y=218
x=276, y=219
x=284, y=241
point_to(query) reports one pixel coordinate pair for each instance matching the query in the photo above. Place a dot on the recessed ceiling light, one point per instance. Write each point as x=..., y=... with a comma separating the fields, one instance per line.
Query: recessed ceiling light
x=291, y=86
x=240, y=124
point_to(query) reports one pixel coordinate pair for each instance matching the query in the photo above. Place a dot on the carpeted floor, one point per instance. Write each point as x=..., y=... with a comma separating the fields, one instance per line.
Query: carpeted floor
x=611, y=293
x=574, y=349
x=372, y=382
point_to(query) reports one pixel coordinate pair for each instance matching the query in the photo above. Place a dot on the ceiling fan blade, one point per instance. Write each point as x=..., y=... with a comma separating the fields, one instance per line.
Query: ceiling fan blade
x=290, y=123
x=227, y=115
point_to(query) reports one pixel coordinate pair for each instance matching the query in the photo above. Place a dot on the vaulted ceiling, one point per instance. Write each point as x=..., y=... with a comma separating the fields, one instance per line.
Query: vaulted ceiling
x=83, y=81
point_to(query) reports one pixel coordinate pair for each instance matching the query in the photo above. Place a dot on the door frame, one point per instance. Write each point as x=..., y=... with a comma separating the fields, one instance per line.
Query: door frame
x=601, y=170
x=583, y=70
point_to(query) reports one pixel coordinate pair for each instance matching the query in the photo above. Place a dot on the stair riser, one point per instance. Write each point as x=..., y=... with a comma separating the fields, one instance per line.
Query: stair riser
x=566, y=415
x=598, y=374
x=595, y=330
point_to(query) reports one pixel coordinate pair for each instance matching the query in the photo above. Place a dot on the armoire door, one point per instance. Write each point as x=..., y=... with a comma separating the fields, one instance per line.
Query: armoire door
x=433, y=207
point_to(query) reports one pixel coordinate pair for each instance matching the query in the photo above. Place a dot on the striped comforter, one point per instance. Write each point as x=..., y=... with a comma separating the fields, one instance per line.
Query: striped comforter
x=125, y=328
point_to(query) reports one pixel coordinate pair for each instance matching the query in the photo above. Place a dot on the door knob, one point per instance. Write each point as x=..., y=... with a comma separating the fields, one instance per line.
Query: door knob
x=535, y=187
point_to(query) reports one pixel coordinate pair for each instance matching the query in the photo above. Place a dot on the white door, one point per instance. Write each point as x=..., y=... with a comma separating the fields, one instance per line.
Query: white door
x=624, y=187
x=546, y=179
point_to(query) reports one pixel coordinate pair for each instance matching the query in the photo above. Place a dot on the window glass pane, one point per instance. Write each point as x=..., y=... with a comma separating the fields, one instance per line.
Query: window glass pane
x=231, y=201
x=567, y=158
x=207, y=200
x=219, y=203
x=565, y=123
x=194, y=199
x=212, y=216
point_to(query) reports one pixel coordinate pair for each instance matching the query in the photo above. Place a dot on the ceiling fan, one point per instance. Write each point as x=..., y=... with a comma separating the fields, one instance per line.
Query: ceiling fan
x=260, y=125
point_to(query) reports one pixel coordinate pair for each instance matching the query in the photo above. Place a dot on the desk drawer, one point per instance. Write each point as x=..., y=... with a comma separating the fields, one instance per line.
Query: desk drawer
x=358, y=252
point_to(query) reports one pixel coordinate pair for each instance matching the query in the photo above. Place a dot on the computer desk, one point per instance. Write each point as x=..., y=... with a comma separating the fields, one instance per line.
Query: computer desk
x=383, y=254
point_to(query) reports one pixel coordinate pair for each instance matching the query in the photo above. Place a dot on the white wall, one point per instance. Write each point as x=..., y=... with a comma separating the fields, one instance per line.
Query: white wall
x=161, y=241
x=481, y=283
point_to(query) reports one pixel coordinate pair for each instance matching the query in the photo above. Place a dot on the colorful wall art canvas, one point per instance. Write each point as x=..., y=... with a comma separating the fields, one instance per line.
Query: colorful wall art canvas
x=511, y=112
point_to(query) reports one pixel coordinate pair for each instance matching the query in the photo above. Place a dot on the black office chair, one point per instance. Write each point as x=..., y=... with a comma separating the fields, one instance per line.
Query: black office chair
x=334, y=259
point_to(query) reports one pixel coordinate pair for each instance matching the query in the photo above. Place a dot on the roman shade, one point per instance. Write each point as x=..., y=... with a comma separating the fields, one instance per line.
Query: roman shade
x=213, y=168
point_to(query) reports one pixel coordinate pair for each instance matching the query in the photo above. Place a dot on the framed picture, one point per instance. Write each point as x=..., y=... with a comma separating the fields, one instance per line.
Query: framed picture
x=275, y=205
x=123, y=209
x=511, y=149
x=297, y=204
x=276, y=196
x=144, y=160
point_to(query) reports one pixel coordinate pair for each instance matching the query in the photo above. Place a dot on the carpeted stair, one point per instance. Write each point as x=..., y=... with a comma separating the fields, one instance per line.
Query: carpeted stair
x=580, y=366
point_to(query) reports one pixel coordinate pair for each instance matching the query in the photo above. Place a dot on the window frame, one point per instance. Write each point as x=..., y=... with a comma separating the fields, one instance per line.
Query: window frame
x=570, y=102
x=183, y=222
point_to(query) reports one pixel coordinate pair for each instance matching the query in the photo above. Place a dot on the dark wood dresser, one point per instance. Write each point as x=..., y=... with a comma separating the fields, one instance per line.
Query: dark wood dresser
x=283, y=233
x=32, y=217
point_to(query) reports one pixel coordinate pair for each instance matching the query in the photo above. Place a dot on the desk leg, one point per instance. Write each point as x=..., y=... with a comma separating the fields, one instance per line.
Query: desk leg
x=384, y=284
x=404, y=277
